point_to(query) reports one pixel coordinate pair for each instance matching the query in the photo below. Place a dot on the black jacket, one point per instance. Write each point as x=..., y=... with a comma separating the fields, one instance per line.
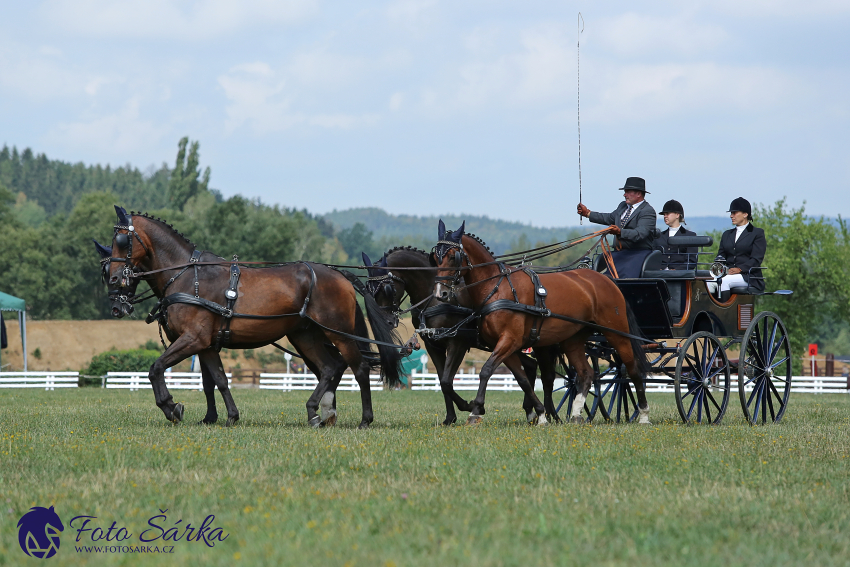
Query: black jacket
x=677, y=258
x=639, y=230
x=746, y=254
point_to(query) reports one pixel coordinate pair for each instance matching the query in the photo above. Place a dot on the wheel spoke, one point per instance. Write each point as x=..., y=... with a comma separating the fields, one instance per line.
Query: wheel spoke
x=707, y=409
x=699, y=405
x=764, y=401
x=769, y=399
x=691, y=409
x=775, y=391
x=710, y=397
x=711, y=362
x=757, y=392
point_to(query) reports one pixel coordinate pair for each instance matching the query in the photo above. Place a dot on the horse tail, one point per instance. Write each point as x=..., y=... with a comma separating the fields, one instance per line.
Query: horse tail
x=643, y=365
x=361, y=330
x=382, y=331
x=390, y=357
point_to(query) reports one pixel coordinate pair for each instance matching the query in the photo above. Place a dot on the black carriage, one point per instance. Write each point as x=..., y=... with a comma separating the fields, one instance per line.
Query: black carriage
x=691, y=332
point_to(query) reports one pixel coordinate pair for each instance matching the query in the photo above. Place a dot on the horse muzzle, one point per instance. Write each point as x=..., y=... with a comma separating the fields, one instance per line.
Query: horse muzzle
x=121, y=306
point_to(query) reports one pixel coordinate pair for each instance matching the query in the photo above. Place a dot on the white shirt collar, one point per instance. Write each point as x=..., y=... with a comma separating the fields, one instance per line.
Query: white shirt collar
x=672, y=231
x=634, y=208
x=739, y=230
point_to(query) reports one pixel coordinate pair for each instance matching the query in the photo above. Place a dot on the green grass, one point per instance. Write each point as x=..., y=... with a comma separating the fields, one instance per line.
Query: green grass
x=409, y=492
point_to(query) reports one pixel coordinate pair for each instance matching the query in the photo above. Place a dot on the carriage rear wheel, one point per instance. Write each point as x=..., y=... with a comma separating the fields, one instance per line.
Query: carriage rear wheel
x=702, y=379
x=617, y=399
x=764, y=369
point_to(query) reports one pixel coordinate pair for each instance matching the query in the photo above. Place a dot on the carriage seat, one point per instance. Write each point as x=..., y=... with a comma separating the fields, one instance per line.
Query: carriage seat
x=670, y=274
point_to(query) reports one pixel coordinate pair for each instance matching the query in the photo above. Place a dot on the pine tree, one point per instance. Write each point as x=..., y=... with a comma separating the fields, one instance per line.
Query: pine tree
x=184, y=182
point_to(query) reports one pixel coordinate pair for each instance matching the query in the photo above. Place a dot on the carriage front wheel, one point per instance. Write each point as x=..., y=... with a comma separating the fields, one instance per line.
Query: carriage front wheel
x=702, y=381
x=764, y=369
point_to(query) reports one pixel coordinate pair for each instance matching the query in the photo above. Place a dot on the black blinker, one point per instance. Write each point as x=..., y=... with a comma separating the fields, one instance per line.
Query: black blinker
x=432, y=259
x=122, y=240
x=457, y=258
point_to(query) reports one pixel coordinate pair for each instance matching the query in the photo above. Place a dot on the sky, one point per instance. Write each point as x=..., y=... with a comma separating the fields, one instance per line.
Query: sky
x=432, y=107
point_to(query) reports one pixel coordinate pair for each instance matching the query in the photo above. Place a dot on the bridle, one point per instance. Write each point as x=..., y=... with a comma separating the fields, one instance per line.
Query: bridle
x=440, y=251
x=129, y=277
x=386, y=283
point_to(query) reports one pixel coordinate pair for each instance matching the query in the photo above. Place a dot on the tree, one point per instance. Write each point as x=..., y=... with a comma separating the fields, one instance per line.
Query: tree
x=358, y=239
x=811, y=257
x=185, y=182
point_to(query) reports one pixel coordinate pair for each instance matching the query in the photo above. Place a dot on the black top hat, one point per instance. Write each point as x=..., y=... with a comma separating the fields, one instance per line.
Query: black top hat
x=672, y=206
x=741, y=205
x=634, y=184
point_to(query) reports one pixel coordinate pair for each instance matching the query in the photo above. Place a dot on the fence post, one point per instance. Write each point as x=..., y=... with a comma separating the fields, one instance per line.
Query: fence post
x=830, y=364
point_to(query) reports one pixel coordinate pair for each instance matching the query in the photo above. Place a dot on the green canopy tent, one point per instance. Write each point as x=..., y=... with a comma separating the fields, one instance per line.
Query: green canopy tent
x=12, y=303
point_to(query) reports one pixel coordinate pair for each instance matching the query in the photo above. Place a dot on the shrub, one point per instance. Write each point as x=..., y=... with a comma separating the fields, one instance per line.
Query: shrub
x=121, y=361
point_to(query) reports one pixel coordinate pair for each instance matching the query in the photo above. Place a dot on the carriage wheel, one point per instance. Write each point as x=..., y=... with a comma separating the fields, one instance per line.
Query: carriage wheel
x=702, y=380
x=764, y=369
x=591, y=404
x=616, y=396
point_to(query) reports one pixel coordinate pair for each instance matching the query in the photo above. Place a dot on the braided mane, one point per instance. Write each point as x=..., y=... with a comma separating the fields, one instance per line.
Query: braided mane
x=404, y=249
x=164, y=223
x=479, y=241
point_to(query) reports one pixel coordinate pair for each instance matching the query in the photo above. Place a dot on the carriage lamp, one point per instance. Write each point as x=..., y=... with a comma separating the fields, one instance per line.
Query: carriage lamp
x=718, y=269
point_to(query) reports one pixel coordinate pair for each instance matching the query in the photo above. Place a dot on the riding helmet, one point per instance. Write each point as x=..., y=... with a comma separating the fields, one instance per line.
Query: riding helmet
x=672, y=206
x=740, y=205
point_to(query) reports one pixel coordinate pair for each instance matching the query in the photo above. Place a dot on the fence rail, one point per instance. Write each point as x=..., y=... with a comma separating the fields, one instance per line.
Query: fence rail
x=173, y=380
x=46, y=380
x=290, y=381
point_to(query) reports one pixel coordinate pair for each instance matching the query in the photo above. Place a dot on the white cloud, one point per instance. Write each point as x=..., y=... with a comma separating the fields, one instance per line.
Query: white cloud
x=259, y=97
x=172, y=19
x=118, y=134
x=636, y=35
x=780, y=8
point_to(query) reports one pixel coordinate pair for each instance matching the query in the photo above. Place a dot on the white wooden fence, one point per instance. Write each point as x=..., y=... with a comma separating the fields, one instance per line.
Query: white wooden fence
x=173, y=380
x=46, y=380
x=289, y=381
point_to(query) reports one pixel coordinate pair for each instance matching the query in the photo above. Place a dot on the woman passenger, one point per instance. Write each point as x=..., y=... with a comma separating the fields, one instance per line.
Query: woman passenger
x=675, y=258
x=742, y=249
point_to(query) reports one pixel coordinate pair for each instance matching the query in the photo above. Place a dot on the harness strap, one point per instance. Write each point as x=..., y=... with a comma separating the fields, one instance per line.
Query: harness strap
x=538, y=312
x=230, y=296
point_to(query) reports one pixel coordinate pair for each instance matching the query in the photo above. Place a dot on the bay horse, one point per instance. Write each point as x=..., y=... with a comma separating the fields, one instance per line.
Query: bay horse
x=447, y=351
x=512, y=314
x=206, y=303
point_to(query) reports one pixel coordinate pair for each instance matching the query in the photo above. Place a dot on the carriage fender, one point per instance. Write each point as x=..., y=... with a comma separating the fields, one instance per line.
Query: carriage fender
x=707, y=321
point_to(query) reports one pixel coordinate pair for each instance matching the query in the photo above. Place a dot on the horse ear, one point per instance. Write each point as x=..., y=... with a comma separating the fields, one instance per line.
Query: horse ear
x=382, y=263
x=459, y=232
x=122, y=215
x=441, y=230
x=104, y=251
x=366, y=261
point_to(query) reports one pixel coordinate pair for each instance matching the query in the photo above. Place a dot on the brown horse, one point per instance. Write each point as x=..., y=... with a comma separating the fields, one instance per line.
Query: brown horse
x=582, y=295
x=304, y=302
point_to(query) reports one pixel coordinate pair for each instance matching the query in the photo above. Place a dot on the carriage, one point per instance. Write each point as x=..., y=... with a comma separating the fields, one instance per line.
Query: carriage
x=692, y=334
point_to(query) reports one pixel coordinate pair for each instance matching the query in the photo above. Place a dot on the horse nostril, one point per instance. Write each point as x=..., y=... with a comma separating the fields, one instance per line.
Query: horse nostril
x=116, y=312
x=444, y=295
x=113, y=280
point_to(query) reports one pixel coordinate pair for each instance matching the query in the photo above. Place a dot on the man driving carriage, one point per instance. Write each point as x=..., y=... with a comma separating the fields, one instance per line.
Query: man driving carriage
x=633, y=223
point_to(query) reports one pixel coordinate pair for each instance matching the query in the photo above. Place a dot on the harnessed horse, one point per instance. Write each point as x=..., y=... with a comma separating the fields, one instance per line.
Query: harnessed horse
x=448, y=328
x=313, y=305
x=561, y=308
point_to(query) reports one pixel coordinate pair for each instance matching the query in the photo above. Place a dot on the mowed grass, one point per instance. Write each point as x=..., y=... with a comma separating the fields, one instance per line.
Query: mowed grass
x=411, y=492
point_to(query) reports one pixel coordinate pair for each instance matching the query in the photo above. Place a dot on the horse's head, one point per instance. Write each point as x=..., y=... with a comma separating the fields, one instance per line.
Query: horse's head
x=448, y=255
x=120, y=263
x=386, y=288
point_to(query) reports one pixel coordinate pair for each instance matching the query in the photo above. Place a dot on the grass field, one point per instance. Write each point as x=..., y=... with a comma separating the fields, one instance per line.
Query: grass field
x=410, y=492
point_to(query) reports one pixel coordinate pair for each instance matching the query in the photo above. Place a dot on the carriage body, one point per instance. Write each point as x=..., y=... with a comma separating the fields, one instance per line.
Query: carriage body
x=692, y=332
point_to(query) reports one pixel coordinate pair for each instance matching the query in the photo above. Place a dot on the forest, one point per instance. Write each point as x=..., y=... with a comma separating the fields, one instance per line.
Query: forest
x=51, y=210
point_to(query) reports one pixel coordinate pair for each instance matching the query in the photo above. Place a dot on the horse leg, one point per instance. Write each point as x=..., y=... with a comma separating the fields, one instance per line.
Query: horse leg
x=327, y=404
x=515, y=366
x=209, y=393
x=310, y=345
x=530, y=367
x=185, y=346
x=546, y=362
x=574, y=349
x=454, y=356
x=211, y=363
x=351, y=354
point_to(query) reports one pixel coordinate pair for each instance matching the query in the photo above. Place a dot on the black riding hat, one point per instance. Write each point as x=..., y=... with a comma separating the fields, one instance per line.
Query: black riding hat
x=740, y=205
x=672, y=206
x=634, y=184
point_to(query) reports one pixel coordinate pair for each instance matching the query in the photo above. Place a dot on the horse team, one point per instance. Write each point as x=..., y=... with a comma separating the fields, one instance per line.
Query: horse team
x=206, y=303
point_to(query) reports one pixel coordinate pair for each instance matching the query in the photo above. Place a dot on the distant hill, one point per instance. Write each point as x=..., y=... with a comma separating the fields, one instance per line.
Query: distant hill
x=500, y=235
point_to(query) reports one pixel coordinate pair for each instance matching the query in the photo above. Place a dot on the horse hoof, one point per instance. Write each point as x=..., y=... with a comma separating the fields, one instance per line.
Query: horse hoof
x=542, y=421
x=177, y=413
x=231, y=421
x=531, y=418
x=330, y=421
x=474, y=420
x=363, y=425
x=553, y=417
x=577, y=419
x=451, y=421
x=315, y=422
x=206, y=421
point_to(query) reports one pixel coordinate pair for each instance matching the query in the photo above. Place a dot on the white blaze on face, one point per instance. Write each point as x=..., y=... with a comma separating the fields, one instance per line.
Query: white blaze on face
x=578, y=405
